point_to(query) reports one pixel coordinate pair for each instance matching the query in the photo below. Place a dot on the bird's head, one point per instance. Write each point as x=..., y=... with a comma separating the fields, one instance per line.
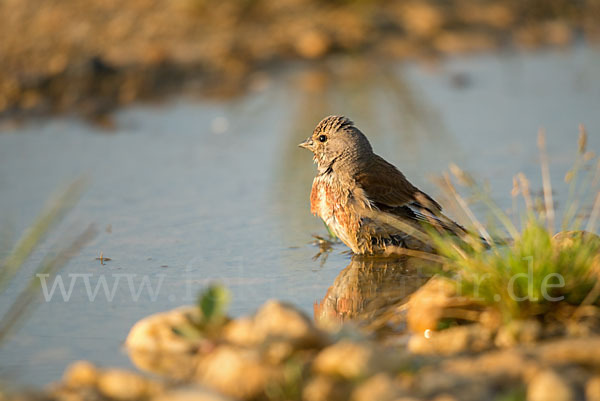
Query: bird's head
x=336, y=139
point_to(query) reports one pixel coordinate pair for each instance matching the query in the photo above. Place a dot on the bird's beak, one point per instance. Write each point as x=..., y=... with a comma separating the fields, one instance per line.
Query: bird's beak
x=308, y=144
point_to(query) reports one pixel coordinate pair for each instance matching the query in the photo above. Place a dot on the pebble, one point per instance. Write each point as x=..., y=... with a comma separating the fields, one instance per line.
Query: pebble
x=547, y=385
x=155, y=332
x=451, y=341
x=80, y=374
x=380, y=387
x=123, y=385
x=235, y=372
x=321, y=388
x=191, y=394
x=352, y=360
x=592, y=389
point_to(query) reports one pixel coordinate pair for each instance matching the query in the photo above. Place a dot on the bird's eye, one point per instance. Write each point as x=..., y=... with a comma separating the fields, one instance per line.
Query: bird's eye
x=322, y=138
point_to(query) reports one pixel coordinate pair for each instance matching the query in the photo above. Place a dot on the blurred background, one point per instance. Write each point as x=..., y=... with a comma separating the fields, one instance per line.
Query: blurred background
x=184, y=116
x=93, y=56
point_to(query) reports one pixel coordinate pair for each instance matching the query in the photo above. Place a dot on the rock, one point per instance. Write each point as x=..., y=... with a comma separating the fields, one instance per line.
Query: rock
x=442, y=383
x=434, y=382
x=399, y=47
x=491, y=318
x=592, y=389
x=282, y=321
x=155, y=347
x=125, y=386
x=81, y=374
x=558, y=33
x=155, y=332
x=240, y=332
x=583, y=351
x=321, y=388
x=509, y=364
x=234, y=371
x=277, y=330
x=547, y=385
x=30, y=99
x=453, y=42
x=585, y=322
x=190, y=394
x=175, y=365
x=421, y=18
x=518, y=332
x=313, y=44
x=276, y=351
x=576, y=377
x=445, y=397
x=497, y=15
x=472, y=337
x=380, y=387
x=426, y=305
x=352, y=360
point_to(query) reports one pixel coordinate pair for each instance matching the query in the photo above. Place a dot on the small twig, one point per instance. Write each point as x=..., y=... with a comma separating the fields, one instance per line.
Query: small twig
x=513, y=194
x=596, y=175
x=591, y=226
x=463, y=204
x=525, y=191
x=18, y=310
x=547, y=185
x=102, y=259
x=571, y=178
x=462, y=314
x=593, y=295
x=53, y=213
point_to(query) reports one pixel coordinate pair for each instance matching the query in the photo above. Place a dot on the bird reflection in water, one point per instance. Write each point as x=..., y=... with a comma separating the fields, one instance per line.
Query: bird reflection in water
x=371, y=291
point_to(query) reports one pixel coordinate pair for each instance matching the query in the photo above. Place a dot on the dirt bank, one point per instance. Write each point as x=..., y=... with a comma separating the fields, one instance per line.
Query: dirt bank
x=93, y=56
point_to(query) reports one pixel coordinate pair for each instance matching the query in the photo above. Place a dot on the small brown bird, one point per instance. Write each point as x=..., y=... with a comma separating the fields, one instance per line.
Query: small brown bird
x=363, y=199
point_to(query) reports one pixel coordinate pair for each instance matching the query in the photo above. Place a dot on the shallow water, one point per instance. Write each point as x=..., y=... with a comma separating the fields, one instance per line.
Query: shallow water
x=187, y=192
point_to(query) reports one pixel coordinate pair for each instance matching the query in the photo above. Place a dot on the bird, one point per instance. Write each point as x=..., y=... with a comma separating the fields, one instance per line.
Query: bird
x=365, y=200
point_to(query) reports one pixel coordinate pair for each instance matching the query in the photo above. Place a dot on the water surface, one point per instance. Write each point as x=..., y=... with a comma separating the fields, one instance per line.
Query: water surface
x=187, y=192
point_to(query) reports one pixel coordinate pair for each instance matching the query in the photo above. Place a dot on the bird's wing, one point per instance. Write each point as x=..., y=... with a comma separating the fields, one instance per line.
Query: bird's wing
x=389, y=191
x=387, y=188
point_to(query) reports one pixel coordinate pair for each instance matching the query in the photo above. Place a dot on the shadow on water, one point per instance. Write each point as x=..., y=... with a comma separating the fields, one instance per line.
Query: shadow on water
x=370, y=287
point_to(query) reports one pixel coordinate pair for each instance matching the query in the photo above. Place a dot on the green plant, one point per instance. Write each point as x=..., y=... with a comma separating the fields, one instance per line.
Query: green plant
x=213, y=303
x=50, y=216
x=289, y=387
x=212, y=314
x=515, y=393
x=527, y=273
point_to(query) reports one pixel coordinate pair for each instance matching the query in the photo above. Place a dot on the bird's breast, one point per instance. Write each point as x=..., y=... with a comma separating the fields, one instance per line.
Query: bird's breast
x=332, y=202
x=325, y=197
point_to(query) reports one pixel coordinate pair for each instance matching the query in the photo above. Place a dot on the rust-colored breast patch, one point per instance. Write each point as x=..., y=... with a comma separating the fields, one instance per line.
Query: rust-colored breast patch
x=323, y=199
x=331, y=202
x=315, y=198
